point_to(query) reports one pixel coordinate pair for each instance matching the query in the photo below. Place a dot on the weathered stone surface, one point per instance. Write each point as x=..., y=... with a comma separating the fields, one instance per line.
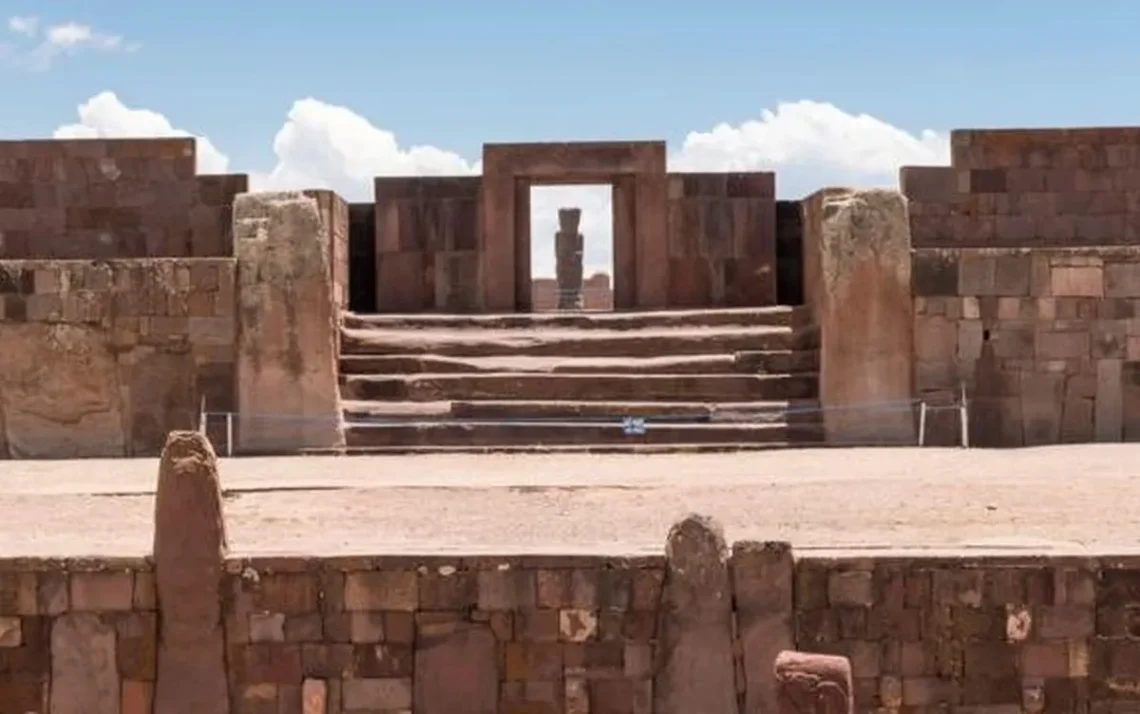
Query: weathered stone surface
x=762, y=578
x=59, y=391
x=456, y=672
x=84, y=679
x=287, y=391
x=189, y=547
x=568, y=254
x=813, y=684
x=695, y=670
x=857, y=255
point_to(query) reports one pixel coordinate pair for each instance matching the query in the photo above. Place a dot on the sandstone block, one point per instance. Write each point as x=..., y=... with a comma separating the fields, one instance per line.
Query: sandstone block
x=83, y=675
x=189, y=547
x=1077, y=282
x=384, y=590
x=288, y=396
x=819, y=684
x=696, y=670
x=377, y=694
x=457, y=672
x=857, y=253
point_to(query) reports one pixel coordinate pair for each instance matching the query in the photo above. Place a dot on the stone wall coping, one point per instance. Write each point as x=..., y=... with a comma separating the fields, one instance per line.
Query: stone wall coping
x=79, y=564
x=1108, y=252
x=110, y=262
x=284, y=564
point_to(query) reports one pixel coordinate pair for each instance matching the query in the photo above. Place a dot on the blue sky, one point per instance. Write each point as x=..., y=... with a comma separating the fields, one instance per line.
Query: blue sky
x=452, y=74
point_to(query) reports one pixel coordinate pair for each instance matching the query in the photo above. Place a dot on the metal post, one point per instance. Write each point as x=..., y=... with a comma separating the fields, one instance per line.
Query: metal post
x=964, y=413
x=922, y=424
x=202, y=417
x=229, y=433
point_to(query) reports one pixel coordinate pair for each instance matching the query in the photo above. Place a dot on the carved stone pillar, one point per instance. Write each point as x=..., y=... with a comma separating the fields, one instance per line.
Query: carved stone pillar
x=568, y=244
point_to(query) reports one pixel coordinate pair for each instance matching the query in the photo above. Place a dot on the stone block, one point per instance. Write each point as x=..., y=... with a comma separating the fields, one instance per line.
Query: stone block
x=288, y=397
x=813, y=683
x=1077, y=282
x=934, y=273
x=1122, y=279
x=84, y=679
x=507, y=589
x=762, y=582
x=383, y=590
x=457, y=672
x=696, y=671
x=11, y=632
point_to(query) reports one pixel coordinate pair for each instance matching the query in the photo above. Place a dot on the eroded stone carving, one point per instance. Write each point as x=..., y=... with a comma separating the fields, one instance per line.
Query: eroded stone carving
x=813, y=684
x=696, y=671
x=189, y=549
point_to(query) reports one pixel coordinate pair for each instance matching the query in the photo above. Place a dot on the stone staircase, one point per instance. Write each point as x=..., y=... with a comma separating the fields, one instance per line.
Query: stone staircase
x=655, y=381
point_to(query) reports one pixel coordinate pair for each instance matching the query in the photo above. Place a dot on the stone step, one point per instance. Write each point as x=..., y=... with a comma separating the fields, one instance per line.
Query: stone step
x=805, y=410
x=780, y=315
x=778, y=361
x=523, y=449
x=579, y=343
x=580, y=387
x=487, y=433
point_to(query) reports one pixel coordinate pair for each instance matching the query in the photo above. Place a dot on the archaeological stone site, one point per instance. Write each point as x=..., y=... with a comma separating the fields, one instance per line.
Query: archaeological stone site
x=148, y=311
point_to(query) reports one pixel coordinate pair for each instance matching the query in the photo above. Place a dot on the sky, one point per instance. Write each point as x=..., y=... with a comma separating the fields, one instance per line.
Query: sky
x=827, y=92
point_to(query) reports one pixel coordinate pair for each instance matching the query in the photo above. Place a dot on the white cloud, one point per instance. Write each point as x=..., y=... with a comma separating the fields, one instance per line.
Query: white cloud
x=105, y=116
x=62, y=39
x=26, y=26
x=808, y=144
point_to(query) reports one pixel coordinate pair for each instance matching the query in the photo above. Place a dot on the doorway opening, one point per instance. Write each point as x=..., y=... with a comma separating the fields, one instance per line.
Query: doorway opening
x=571, y=248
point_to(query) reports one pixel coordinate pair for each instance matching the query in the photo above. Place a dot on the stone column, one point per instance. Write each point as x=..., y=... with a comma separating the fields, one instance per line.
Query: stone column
x=568, y=246
x=288, y=397
x=762, y=582
x=189, y=554
x=857, y=283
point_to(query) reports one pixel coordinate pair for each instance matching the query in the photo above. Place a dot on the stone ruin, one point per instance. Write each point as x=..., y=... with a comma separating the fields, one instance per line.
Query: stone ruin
x=569, y=251
x=132, y=291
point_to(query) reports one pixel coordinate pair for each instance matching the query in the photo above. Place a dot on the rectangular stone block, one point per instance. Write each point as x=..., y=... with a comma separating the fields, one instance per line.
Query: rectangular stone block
x=385, y=590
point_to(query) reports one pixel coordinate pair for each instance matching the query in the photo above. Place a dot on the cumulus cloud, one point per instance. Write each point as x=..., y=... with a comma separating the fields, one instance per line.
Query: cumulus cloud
x=104, y=116
x=808, y=144
x=38, y=50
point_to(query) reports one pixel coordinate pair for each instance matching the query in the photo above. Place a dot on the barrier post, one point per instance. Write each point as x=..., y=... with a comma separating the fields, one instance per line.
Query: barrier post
x=964, y=416
x=229, y=434
x=922, y=424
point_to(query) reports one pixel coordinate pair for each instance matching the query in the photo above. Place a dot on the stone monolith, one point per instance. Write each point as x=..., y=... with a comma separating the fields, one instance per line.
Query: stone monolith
x=857, y=282
x=568, y=256
x=695, y=669
x=762, y=577
x=189, y=551
x=287, y=392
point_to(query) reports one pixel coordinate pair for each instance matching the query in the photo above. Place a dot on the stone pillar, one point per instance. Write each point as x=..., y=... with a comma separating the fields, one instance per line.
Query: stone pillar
x=287, y=392
x=568, y=247
x=696, y=671
x=762, y=577
x=189, y=552
x=857, y=283
x=813, y=684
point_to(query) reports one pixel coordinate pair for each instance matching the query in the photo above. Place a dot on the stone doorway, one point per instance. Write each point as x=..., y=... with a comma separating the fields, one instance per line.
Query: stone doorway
x=635, y=170
x=571, y=248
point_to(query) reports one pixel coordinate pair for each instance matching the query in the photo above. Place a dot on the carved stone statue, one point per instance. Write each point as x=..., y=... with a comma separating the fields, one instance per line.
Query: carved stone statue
x=813, y=684
x=568, y=244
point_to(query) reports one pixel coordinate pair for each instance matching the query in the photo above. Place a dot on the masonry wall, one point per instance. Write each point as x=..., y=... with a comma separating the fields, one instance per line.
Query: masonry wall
x=722, y=239
x=104, y=358
x=427, y=243
x=597, y=293
x=112, y=198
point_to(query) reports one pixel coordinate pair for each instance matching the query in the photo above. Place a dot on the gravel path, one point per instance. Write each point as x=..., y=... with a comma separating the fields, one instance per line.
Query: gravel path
x=1057, y=499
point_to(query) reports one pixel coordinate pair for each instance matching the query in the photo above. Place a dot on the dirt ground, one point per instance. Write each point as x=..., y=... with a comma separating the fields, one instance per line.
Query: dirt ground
x=1072, y=499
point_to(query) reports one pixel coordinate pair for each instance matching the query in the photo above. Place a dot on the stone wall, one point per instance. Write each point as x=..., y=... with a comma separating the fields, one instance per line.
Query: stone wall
x=722, y=239
x=104, y=358
x=597, y=293
x=111, y=198
x=427, y=243
x=1046, y=342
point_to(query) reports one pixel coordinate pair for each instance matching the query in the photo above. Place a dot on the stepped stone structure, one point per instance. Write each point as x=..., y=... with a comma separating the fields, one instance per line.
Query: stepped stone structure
x=132, y=294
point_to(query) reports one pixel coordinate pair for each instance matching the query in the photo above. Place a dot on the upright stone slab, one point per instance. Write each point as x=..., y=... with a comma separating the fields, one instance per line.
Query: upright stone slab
x=568, y=255
x=695, y=670
x=456, y=672
x=813, y=684
x=287, y=392
x=762, y=577
x=189, y=550
x=857, y=267
x=84, y=675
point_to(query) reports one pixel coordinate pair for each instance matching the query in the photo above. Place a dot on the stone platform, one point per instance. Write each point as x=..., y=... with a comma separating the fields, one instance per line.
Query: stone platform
x=1055, y=500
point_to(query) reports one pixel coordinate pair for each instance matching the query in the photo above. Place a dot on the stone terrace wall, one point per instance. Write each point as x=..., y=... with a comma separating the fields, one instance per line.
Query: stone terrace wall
x=103, y=359
x=1029, y=188
x=722, y=239
x=112, y=198
x=1047, y=342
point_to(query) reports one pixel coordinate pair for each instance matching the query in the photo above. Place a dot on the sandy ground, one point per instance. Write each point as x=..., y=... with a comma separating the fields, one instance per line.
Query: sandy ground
x=1073, y=499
